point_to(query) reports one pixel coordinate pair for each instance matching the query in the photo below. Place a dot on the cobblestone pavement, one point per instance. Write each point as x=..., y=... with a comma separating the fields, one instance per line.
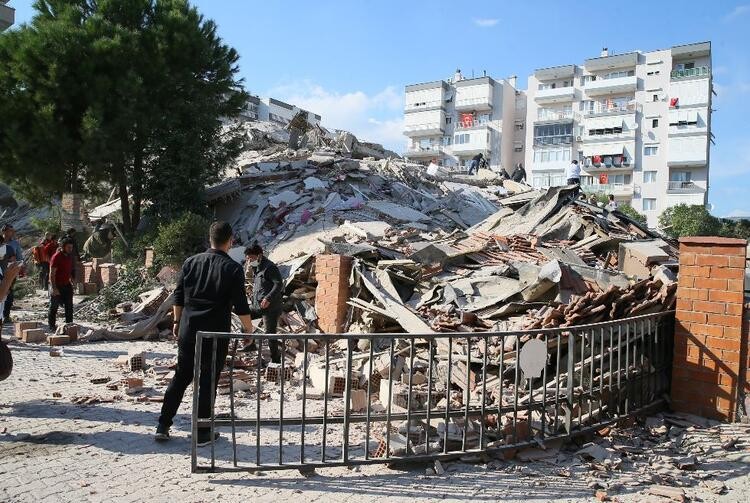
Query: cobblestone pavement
x=54, y=450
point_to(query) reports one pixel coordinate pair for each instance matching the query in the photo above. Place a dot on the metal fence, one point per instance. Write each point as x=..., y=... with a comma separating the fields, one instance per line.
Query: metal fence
x=482, y=393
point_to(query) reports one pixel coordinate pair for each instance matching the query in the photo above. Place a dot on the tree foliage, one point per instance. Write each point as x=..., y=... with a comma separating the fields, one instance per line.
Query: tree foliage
x=683, y=220
x=177, y=240
x=627, y=210
x=129, y=92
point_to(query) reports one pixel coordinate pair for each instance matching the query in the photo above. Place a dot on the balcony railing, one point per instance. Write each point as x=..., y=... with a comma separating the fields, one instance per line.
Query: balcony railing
x=608, y=188
x=469, y=102
x=423, y=105
x=555, y=115
x=678, y=186
x=431, y=150
x=699, y=71
x=612, y=108
x=433, y=126
x=471, y=124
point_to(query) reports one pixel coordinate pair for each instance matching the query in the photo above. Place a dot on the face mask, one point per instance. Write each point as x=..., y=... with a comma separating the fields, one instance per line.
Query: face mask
x=254, y=263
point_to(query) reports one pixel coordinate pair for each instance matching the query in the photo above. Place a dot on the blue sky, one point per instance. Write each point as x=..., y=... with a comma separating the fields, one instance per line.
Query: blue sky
x=349, y=60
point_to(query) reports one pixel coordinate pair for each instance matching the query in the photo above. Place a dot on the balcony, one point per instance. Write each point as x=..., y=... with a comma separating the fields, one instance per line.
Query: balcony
x=548, y=115
x=549, y=141
x=423, y=105
x=423, y=129
x=610, y=86
x=475, y=124
x=626, y=135
x=7, y=16
x=603, y=109
x=616, y=189
x=691, y=73
x=676, y=187
x=555, y=95
x=474, y=94
x=478, y=142
x=687, y=151
x=431, y=151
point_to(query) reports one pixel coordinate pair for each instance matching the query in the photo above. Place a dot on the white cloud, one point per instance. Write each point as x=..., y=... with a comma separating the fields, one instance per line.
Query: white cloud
x=486, y=22
x=738, y=11
x=375, y=118
x=739, y=213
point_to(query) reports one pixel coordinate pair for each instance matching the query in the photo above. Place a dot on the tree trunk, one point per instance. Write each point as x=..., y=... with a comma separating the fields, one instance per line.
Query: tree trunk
x=137, y=187
x=124, y=203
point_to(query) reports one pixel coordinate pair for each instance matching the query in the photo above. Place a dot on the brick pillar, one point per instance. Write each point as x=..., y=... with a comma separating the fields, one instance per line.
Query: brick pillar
x=707, y=368
x=332, y=273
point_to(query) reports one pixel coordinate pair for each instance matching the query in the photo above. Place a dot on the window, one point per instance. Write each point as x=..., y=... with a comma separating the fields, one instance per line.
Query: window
x=620, y=74
x=655, y=98
x=448, y=120
x=553, y=134
x=679, y=176
x=554, y=155
x=447, y=140
x=649, y=176
x=655, y=72
x=649, y=204
x=587, y=78
x=654, y=123
x=519, y=126
x=461, y=139
x=650, y=150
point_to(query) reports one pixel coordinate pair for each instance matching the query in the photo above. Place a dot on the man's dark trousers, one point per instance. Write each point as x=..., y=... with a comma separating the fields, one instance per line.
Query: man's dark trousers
x=183, y=376
x=270, y=323
x=66, y=299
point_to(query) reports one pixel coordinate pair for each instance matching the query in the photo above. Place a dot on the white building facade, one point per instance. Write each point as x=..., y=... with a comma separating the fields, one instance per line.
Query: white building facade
x=639, y=124
x=7, y=15
x=451, y=121
x=273, y=110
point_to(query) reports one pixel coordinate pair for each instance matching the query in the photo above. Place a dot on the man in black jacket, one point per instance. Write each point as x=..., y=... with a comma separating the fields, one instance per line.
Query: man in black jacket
x=209, y=285
x=268, y=289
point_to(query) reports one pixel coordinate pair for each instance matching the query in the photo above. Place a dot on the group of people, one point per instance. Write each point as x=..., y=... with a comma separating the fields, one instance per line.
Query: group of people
x=210, y=286
x=479, y=161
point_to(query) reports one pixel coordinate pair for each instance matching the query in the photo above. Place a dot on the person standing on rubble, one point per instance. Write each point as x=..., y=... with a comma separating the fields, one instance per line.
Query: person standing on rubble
x=209, y=286
x=611, y=204
x=474, y=166
x=519, y=174
x=266, y=295
x=42, y=257
x=573, y=173
x=61, y=281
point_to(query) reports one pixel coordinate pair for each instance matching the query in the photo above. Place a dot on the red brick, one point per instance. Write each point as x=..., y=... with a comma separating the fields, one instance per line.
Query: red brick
x=684, y=304
x=714, y=260
x=732, y=333
x=720, y=343
x=692, y=293
x=733, y=309
x=709, y=307
x=724, y=320
x=736, y=285
x=687, y=258
x=696, y=271
x=725, y=296
x=690, y=316
x=686, y=281
x=698, y=329
x=727, y=272
x=711, y=283
x=737, y=251
x=737, y=261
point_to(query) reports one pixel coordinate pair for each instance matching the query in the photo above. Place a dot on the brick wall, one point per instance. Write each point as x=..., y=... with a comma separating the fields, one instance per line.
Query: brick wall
x=332, y=273
x=708, y=367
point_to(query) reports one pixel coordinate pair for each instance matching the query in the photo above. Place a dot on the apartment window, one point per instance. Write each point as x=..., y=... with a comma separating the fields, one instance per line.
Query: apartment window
x=447, y=140
x=655, y=98
x=555, y=155
x=553, y=134
x=448, y=120
x=617, y=75
x=649, y=176
x=587, y=78
x=654, y=123
x=484, y=118
x=605, y=131
x=679, y=176
x=650, y=150
x=620, y=179
x=461, y=139
x=586, y=106
x=519, y=126
x=655, y=72
x=425, y=143
x=649, y=204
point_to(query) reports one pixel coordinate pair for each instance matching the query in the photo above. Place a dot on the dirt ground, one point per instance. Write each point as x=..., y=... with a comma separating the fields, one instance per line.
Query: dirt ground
x=52, y=449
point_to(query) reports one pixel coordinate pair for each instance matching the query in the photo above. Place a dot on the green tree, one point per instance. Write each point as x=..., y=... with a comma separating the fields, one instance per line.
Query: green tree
x=130, y=92
x=627, y=210
x=683, y=220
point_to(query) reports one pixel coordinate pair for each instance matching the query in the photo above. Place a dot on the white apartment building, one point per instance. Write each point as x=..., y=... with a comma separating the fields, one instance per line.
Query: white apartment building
x=7, y=15
x=450, y=121
x=273, y=110
x=639, y=123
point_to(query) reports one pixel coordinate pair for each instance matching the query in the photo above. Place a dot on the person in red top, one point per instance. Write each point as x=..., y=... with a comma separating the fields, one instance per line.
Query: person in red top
x=61, y=281
x=46, y=249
